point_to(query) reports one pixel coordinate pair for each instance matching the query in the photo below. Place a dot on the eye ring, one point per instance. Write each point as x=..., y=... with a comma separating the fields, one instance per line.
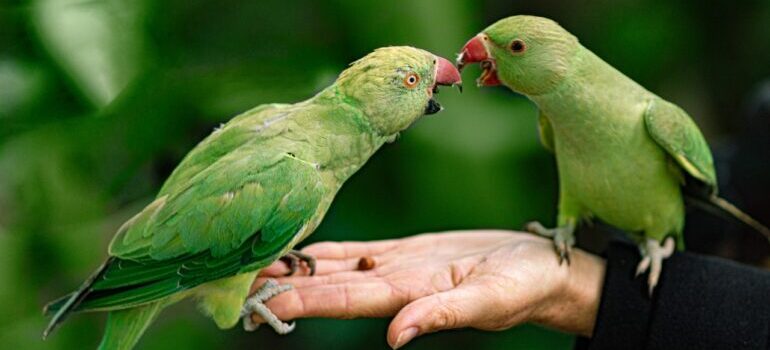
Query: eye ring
x=518, y=46
x=411, y=80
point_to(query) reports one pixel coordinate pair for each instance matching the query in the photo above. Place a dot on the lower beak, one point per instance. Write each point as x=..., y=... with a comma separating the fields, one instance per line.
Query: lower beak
x=446, y=74
x=433, y=107
x=475, y=51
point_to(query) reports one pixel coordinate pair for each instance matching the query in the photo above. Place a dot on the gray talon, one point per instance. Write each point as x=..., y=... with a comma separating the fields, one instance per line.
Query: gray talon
x=256, y=304
x=293, y=263
x=653, y=254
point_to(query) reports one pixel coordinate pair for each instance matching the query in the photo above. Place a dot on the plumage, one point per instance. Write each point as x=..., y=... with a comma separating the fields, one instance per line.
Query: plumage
x=250, y=192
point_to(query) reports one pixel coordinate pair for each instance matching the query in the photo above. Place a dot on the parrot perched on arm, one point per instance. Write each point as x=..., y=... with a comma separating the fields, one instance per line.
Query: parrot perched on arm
x=623, y=154
x=248, y=193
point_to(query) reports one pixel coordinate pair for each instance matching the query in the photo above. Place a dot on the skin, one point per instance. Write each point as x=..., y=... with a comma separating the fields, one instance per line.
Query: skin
x=251, y=191
x=622, y=152
x=485, y=279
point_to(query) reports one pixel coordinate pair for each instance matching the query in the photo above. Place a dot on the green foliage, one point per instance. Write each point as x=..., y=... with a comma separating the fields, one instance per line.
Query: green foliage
x=99, y=100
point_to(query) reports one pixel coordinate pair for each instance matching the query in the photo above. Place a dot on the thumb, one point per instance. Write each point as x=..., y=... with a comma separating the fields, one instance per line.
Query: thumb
x=456, y=308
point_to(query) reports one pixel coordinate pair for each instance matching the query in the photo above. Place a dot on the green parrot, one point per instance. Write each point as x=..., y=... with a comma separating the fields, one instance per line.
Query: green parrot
x=623, y=154
x=250, y=192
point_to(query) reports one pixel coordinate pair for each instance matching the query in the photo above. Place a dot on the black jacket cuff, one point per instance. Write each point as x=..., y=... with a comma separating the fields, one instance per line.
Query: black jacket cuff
x=700, y=303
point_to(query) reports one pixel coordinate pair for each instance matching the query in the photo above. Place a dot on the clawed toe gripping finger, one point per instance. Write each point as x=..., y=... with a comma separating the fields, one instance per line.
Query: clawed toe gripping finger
x=293, y=258
x=563, y=248
x=256, y=304
x=563, y=238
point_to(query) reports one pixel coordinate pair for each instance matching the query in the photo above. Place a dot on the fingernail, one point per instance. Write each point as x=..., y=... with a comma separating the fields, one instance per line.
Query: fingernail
x=405, y=336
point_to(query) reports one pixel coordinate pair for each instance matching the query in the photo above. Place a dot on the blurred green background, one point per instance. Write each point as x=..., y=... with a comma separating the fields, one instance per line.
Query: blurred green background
x=100, y=99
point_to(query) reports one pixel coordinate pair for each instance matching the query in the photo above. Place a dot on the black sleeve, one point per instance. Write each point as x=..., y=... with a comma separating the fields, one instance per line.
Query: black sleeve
x=700, y=303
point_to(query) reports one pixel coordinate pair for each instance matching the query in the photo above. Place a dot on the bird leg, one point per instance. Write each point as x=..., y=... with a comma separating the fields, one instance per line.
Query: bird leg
x=256, y=304
x=653, y=253
x=293, y=258
x=563, y=238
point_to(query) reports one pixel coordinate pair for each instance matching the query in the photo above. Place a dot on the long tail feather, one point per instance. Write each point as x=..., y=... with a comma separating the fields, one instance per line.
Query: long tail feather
x=56, y=305
x=125, y=327
x=73, y=300
x=719, y=206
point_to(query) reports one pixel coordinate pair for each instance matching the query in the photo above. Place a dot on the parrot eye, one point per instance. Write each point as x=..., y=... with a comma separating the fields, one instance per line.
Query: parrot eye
x=411, y=80
x=518, y=46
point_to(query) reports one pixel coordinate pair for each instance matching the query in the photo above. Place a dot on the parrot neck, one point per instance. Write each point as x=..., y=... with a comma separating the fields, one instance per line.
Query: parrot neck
x=591, y=87
x=350, y=140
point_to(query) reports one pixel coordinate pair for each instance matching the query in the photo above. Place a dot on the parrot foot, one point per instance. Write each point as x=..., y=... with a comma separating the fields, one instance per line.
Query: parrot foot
x=293, y=258
x=653, y=253
x=256, y=304
x=563, y=238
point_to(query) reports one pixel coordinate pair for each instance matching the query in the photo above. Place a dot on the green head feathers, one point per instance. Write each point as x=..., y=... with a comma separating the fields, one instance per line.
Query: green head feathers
x=529, y=54
x=532, y=53
x=394, y=86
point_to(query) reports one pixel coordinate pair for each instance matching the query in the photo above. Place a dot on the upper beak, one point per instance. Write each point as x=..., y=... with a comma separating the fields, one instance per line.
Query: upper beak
x=446, y=73
x=475, y=51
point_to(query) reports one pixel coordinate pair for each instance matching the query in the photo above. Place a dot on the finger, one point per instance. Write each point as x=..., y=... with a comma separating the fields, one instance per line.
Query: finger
x=371, y=298
x=345, y=250
x=312, y=281
x=330, y=266
x=456, y=308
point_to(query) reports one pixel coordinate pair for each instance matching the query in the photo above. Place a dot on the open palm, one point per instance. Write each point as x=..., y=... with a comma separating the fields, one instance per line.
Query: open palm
x=483, y=279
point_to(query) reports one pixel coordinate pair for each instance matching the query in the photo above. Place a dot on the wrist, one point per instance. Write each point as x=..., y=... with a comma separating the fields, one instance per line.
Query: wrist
x=573, y=306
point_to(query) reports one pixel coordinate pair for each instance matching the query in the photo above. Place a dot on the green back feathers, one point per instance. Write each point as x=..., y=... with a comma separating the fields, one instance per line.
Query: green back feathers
x=223, y=140
x=222, y=206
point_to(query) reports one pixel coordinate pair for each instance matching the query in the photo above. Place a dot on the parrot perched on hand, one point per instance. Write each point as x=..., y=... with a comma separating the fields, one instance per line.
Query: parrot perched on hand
x=248, y=193
x=623, y=154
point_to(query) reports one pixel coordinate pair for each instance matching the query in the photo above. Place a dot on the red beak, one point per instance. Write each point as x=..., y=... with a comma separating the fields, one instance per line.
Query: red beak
x=475, y=51
x=446, y=73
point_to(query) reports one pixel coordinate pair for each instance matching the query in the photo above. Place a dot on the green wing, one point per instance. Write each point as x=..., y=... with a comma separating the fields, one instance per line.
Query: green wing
x=546, y=132
x=237, y=215
x=212, y=230
x=678, y=134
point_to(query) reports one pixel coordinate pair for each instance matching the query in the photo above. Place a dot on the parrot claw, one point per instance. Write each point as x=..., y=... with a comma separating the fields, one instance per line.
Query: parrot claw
x=564, y=255
x=563, y=238
x=293, y=258
x=256, y=304
x=563, y=243
x=653, y=254
x=643, y=266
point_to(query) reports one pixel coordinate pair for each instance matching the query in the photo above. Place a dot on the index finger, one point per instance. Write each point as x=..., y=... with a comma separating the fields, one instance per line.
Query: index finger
x=367, y=298
x=346, y=250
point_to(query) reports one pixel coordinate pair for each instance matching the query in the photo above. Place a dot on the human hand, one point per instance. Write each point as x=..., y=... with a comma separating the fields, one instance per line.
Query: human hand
x=485, y=279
